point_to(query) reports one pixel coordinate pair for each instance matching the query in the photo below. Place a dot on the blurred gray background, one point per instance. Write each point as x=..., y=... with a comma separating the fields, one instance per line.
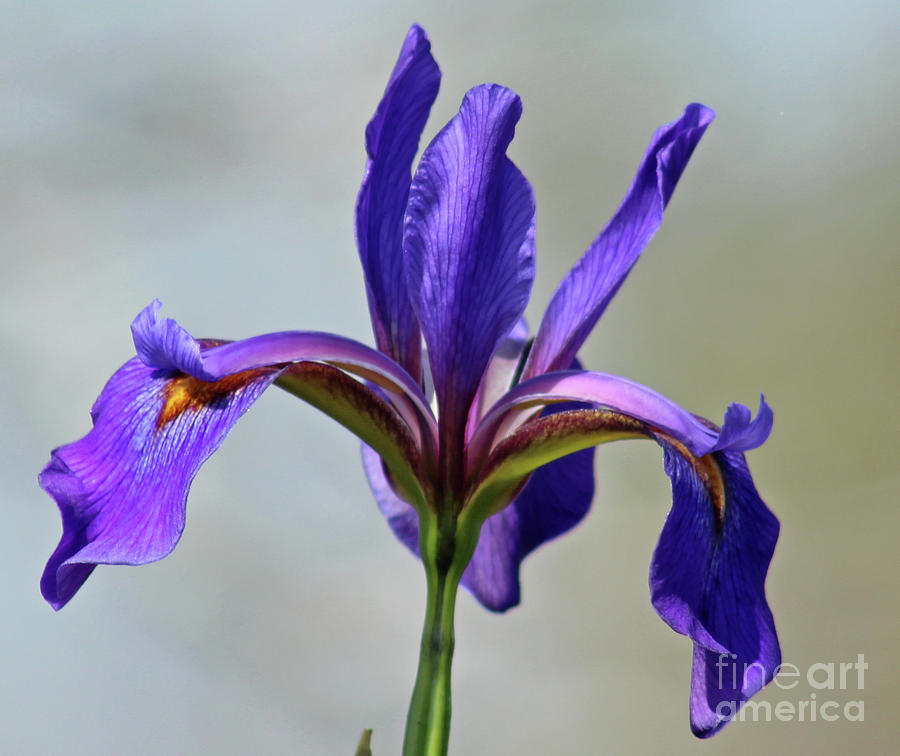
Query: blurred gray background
x=209, y=154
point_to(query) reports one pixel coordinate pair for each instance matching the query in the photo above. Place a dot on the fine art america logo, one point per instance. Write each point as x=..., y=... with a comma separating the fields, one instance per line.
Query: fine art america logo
x=817, y=706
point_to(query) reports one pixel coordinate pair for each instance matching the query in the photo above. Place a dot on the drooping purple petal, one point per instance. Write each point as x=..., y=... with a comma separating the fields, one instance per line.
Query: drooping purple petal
x=165, y=344
x=587, y=289
x=392, y=138
x=556, y=498
x=707, y=581
x=469, y=246
x=401, y=516
x=121, y=489
x=708, y=574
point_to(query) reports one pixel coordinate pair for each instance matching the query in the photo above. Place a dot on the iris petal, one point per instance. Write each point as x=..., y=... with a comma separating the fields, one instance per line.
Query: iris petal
x=708, y=573
x=121, y=489
x=707, y=581
x=392, y=138
x=587, y=289
x=469, y=247
x=164, y=344
x=500, y=373
x=400, y=515
x=555, y=499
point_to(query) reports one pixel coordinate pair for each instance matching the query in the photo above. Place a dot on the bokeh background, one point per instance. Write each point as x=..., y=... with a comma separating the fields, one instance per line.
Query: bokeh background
x=209, y=154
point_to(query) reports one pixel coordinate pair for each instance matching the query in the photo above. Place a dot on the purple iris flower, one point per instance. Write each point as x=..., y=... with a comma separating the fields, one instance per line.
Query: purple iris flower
x=468, y=426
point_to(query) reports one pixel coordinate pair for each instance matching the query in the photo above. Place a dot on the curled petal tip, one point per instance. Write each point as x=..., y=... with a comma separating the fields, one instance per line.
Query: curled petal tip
x=392, y=139
x=165, y=345
x=589, y=287
x=723, y=683
x=702, y=115
x=739, y=432
x=417, y=32
x=682, y=136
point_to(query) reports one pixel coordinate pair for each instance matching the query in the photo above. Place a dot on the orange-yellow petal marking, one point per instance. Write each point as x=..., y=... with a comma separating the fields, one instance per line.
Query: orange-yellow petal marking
x=184, y=392
x=707, y=470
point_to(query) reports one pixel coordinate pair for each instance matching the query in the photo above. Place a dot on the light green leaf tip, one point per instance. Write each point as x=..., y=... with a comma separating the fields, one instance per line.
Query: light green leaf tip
x=365, y=744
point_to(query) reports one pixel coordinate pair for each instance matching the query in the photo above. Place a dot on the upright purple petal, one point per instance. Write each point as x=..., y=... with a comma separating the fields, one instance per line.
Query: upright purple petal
x=392, y=138
x=500, y=373
x=707, y=581
x=587, y=289
x=469, y=247
x=121, y=489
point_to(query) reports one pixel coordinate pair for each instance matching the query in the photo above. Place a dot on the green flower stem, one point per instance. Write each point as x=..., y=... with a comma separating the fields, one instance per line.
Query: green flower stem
x=445, y=556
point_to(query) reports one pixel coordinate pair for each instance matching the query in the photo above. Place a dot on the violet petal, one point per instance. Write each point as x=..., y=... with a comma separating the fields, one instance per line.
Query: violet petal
x=121, y=489
x=401, y=516
x=556, y=498
x=392, y=138
x=469, y=246
x=587, y=289
x=707, y=581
